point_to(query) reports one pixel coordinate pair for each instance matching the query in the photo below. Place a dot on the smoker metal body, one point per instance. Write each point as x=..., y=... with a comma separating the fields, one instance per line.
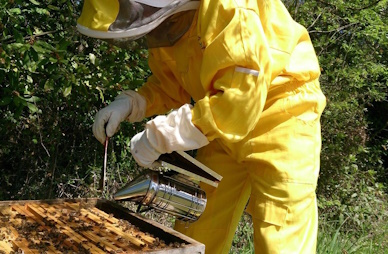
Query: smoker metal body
x=172, y=194
x=175, y=192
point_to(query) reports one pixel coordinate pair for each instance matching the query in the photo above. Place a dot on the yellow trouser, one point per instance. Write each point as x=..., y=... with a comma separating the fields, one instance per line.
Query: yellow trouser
x=278, y=178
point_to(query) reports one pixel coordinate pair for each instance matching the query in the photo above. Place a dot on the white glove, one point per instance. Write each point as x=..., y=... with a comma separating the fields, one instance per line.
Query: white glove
x=129, y=105
x=165, y=134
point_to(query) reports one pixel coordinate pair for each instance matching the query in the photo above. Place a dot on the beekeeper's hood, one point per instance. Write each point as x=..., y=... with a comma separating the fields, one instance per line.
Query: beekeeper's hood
x=127, y=19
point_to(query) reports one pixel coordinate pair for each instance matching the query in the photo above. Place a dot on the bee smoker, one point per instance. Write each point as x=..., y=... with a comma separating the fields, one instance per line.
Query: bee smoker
x=176, y=191
x=165, y=193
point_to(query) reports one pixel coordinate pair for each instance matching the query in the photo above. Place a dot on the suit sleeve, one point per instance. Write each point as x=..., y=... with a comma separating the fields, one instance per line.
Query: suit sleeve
x=162, y=90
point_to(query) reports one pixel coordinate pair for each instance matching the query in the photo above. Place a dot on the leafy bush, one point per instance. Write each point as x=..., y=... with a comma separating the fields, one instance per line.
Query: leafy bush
x=351, y=43
x=53, y=81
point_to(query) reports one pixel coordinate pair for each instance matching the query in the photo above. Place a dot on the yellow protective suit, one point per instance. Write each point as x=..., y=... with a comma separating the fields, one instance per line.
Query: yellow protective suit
x=253, y=74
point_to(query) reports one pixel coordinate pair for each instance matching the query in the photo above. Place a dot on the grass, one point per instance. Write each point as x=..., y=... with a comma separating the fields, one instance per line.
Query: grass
x=331, y=239
x=243, y=238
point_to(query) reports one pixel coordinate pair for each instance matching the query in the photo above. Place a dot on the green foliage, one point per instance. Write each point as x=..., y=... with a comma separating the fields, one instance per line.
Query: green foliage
x=243, y=239
x=352, y=44
x=53, y=81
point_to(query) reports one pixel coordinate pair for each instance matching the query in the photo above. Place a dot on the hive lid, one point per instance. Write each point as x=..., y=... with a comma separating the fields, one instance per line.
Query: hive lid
x=185, y=164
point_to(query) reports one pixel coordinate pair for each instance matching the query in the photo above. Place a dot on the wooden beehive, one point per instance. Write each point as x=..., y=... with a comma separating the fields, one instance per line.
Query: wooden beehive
x=84, y=226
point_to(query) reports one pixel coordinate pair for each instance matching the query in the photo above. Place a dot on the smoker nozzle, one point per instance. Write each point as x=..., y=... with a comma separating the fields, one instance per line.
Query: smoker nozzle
x=136, y=190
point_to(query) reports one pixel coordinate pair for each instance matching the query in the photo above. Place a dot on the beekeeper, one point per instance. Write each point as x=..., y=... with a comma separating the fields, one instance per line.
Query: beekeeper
x=252, y=74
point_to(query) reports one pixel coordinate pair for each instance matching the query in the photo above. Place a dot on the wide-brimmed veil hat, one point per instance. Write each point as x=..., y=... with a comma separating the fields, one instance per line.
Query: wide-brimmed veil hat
x=129, y=19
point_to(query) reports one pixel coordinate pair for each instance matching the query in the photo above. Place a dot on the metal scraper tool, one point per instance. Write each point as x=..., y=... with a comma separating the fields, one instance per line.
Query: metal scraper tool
x=103, y=173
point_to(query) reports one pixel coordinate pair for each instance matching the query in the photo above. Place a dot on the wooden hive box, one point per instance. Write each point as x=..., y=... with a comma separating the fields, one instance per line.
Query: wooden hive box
x=85, y=226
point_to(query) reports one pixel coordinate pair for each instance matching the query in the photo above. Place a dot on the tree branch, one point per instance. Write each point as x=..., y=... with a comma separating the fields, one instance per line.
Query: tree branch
x=315, y=21
x=336, y=29
x=351, y=8
x=329, y=4
x=366, y=7
x=28, y=37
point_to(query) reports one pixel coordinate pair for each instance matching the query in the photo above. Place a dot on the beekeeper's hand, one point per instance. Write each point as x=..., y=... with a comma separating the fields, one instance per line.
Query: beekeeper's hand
x=165, y=134
x=129, y=106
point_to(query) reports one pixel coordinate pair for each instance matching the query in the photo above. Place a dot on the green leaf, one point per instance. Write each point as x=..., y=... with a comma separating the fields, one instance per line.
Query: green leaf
x=67, y=91
x=39, y=49
x=101, y=93
x=49, y=85
x=53, y=60
x=43, y=11
x=136, y=83
x=29, y=79
x=34, y=55
x=54, y=8
x=15, y=11
x=18, y=45
x=5, y=101
x=32, y=107
x=35, y=2
x=62, y=45
x=32, y=99
x=44, y=46
x=18, y=100
x=92, y=58
x=74, y=64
